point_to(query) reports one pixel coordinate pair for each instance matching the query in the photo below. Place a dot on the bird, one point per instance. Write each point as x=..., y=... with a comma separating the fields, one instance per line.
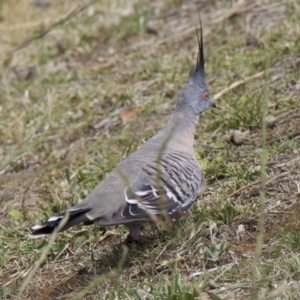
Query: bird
x=162, y=179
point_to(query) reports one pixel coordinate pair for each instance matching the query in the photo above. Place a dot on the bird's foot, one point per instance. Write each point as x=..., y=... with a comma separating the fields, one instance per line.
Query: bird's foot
x=180, y=214
x=136, y=235
x=139, y=238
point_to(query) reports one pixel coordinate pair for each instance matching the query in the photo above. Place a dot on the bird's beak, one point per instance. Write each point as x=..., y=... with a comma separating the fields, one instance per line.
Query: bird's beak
x=213, y=104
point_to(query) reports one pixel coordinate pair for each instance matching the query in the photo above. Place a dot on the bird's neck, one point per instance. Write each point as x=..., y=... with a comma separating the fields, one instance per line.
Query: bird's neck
x=180, y=130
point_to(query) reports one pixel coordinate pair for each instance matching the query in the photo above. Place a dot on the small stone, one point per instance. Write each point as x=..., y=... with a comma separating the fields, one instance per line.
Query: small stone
x=240, y=230
x=252, y=41
x=25, y=73
x=151, y=30
x=270, y=121
x=61, y=46
x=227, y=137
x=238, y=137
x=42, y=3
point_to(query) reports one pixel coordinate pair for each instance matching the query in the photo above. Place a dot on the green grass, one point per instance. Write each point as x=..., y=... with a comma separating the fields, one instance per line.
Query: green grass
x=61, y=132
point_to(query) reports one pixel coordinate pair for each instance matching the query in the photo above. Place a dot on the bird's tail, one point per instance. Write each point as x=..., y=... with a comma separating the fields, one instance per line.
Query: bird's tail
x=75, y=216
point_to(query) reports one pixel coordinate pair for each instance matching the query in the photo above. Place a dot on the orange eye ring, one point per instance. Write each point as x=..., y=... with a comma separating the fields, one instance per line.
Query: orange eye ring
x=205, y=95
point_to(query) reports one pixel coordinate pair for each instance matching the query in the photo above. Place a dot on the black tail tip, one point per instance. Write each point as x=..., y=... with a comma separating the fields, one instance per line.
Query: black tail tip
x=41, y=230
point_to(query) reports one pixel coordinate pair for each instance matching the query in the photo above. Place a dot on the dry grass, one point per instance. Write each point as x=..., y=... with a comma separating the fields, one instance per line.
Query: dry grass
x=76, y=101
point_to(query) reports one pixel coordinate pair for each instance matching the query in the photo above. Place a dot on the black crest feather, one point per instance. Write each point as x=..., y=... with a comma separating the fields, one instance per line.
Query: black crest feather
x=199, y=68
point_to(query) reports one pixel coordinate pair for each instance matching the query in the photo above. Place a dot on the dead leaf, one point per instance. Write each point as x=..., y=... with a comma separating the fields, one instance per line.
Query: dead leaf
x=129, y=113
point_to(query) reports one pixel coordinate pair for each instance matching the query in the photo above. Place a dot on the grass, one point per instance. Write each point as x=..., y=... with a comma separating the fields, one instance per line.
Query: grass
x=80, y=99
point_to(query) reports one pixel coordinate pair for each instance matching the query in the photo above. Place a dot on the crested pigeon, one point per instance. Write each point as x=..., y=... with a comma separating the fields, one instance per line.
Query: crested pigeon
x=162, y=178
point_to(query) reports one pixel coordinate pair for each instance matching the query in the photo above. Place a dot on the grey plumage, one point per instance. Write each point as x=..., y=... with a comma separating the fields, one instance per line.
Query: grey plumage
x=160, y=179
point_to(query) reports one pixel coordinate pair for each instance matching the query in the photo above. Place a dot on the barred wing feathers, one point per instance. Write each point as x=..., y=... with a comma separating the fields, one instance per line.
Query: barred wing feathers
x=168, y=185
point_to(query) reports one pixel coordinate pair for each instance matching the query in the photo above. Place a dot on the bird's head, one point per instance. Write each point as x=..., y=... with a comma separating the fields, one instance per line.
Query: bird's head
x=195, y=92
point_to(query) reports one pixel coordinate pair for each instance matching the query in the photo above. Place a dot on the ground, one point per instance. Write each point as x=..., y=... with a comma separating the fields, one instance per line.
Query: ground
x=85, y=83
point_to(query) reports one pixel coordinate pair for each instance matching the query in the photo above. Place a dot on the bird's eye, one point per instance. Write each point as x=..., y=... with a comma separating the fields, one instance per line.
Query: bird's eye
x=205, y=95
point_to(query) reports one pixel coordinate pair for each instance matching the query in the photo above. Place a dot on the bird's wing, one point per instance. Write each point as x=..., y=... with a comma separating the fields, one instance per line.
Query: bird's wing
x=165, y=186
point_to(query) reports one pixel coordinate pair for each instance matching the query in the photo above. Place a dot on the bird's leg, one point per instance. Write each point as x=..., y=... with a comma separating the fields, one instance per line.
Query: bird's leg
x=136, y=234
x=180, y=214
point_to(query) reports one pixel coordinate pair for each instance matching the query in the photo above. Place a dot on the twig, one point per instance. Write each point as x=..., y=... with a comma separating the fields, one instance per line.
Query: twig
x=237, y=84
x=61, y=21
x=161, y=253
x=256, y=182
x=238, y=9
x=60, y=253
x=290, y=117
x=24, y=25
